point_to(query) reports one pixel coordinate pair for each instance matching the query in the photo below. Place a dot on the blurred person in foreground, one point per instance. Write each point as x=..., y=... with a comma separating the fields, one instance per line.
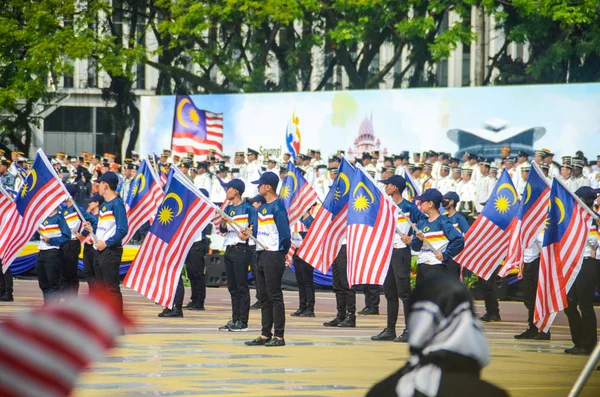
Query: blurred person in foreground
x=448, y=348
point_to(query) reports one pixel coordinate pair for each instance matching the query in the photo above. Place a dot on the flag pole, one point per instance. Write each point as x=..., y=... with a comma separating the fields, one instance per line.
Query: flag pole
x=586, y=372
x=238, y=228
x=82, y=218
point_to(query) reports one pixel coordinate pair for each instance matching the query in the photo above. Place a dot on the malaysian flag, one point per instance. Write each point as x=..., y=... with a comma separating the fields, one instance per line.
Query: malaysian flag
x=486, y=241
x=413, y=188
x=324, y=238
x=218, y=218
x=43, y=351
x=40, y=194
x=143, y=200
x=161, y=171
x=530, y=220
x=561, y=256
x=6, y=203
x=196, y=131
x=296, y=229
x=181, y=217
x=296, y=193
x=371, y=227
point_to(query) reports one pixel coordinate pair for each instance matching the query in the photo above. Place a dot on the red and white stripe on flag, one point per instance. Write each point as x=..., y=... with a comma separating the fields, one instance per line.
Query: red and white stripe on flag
x=296, y=228
x=144, y=211
x=217, y=219
x=559, y=266
x=157, y=266
x=200, y=147
x=323, y=240
x=305, y=197
x=40, y=200
x=485, y=246
x=43, y=351
x=369, y=248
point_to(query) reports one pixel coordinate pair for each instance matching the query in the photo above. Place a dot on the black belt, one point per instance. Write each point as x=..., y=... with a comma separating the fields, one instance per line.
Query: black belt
x=240, y=245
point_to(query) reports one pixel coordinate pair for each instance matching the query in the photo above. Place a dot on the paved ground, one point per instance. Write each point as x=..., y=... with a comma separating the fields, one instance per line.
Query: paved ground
x=188, y=356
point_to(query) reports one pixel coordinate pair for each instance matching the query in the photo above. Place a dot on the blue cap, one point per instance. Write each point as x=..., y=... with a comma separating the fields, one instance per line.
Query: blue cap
x=98, y=198
x=268, y=178
x=109, y=177
x=431, y=195
x=71, y=189
x=237, y=184
x=587, y=192
x=396, y=180
x=257, y=199
x=204, y=192
x=452, y=196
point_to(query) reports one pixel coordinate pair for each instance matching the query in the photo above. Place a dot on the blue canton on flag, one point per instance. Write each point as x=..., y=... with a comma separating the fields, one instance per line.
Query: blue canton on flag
x=339, y=192
x=503, y=204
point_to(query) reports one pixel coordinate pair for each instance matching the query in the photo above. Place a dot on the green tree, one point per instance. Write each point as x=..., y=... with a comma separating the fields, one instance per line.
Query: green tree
x=37, y=41
x=563, y=38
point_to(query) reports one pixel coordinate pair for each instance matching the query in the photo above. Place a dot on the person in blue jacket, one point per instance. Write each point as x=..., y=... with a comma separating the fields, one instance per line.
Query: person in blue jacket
x=238, y=254
x=459, y=222
x=446, y=241
x=89, y=253
x=54, y=233
x=273, y=232
x=112, y=228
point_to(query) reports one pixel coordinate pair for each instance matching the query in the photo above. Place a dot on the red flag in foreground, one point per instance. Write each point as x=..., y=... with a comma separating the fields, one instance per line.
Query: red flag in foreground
x=43, y=351
x=561, y=256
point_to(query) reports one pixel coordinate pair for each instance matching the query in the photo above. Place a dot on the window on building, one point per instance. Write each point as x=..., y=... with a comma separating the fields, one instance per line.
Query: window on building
x=466, y=58
x=92, y=73
x=69, y=119
x=105, y=130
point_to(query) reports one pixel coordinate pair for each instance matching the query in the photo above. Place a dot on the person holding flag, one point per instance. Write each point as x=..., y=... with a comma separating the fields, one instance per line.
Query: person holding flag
x=459, y=222
x=273, y=231
x=397, y=281
x=89, y=253
x=303, y=271
x=54, y=233
x=582, y=322
x=238, y=253
x=112, y=228
x=444, y=241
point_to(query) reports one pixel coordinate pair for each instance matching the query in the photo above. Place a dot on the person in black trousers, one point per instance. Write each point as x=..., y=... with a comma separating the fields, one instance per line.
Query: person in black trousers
x=492, y=308
x=195, y=265
x=54, y=233
x=6, y=285
x=304, y=275
x=89, y=253
x=345, y=297
x=273, y=233
x=256, y=202
x=580, y=298
x=531, y=271
x=372, y=294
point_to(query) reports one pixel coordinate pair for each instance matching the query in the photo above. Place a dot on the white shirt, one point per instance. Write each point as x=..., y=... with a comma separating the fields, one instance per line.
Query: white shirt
x=485, y=186
x=202, y=181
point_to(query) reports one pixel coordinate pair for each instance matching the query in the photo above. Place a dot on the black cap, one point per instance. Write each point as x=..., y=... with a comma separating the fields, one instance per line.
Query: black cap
x=452, y=196
x=431, y=195
x=256, y=199
x=397, y=181
x=252, y=151
x=5, y=163
x=268, y=178
x=587, y=192
x=366, y=155
x=522, y=154
x=235, y=183
x=97, y=198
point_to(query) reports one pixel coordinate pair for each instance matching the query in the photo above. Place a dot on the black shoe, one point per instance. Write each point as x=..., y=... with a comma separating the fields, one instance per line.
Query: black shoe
x=226, y=327
x=194, y=306
x=543, y=336
x=576, y=350
x=530, y=333
x=297, y=313
x=349, y=321
x=239, y=327
x=334, y=322
x=307, y=313
x=258, y=342
x=7, y=298
x=386, y=334
x=275, y=342
x=370, y=311
x=363, y=311
x=490, y=317
x=402, y=338
x=256, y=306
x=171, y=313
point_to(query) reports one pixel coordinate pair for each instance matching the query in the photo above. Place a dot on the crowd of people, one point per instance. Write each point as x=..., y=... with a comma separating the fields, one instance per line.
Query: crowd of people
x=262, y=236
